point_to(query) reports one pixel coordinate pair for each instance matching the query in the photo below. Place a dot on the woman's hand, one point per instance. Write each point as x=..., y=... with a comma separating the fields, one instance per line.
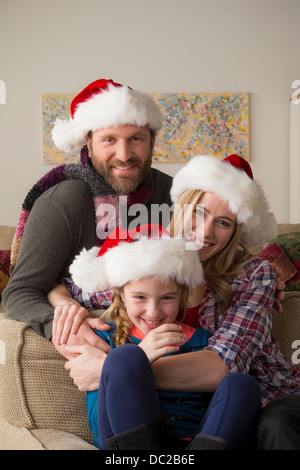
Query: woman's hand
x=164, y=339
x=86, y=368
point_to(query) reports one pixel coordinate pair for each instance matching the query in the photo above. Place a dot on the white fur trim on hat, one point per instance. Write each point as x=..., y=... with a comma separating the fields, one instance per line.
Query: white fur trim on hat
x=245, y=196
x=165, y=258
x=113, y=107
x=85, y=265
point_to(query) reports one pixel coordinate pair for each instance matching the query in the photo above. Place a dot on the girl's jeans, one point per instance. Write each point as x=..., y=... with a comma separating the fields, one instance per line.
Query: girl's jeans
x=128, y=398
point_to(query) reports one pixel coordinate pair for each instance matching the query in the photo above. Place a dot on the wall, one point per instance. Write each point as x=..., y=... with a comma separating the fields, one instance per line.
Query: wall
x=154, y=46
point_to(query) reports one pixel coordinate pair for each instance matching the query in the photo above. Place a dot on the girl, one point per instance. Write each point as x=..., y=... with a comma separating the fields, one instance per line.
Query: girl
x=151, y=279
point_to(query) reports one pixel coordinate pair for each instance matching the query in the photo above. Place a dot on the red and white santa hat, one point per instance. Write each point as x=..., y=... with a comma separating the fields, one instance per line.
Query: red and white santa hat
x=104, y=103
x=231, y=180
x=130, y=255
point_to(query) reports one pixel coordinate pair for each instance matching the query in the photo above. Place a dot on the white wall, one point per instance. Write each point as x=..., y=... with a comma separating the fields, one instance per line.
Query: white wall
x=154, y=46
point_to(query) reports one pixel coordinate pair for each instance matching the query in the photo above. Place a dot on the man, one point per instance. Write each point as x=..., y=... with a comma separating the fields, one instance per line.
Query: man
x=76, y=205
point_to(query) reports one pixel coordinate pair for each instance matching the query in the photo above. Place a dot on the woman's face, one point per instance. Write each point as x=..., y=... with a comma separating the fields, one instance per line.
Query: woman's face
x=213, y=225
x=151, y=302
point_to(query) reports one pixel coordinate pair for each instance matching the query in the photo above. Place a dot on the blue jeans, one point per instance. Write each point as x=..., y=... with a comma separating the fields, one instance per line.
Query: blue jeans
x=128, y=398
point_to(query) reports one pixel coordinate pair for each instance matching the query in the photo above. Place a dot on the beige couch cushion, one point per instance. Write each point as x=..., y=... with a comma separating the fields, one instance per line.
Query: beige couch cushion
x=6, y=236
x=288, y=228
x=38, y=391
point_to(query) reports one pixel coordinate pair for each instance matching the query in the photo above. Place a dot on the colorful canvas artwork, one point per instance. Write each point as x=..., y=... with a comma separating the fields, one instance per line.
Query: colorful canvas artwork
x=195, y=124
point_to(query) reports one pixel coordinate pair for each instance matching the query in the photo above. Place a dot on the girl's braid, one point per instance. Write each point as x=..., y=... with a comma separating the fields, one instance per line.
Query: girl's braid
x=120, y=317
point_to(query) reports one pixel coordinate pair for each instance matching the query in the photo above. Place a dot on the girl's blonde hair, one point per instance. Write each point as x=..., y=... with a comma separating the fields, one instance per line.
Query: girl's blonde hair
x=117, y=313
x=223, y=265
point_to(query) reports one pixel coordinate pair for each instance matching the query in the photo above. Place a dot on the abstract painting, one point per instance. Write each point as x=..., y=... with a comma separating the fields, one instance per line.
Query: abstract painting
x=195, y=124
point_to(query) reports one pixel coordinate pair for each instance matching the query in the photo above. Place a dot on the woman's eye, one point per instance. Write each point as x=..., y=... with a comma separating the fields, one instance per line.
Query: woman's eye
x=224, y=223
x=199, y=212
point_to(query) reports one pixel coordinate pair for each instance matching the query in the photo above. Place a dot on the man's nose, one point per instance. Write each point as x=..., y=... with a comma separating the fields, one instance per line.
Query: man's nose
x=123, y=152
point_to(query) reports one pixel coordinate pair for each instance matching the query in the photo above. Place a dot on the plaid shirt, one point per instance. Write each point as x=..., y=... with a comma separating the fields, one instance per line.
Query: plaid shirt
x=98, y=300
x=243, y=337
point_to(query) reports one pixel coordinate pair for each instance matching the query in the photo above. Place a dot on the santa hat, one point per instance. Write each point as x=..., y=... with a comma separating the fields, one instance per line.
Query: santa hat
x=130, y=255
x=101, y=104
x=231, y=180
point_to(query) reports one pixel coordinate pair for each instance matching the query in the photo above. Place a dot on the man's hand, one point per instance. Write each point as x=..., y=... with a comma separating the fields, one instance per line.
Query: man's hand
x=68, y=316
x=86, y=368
x=85, y=336
x=164, y=339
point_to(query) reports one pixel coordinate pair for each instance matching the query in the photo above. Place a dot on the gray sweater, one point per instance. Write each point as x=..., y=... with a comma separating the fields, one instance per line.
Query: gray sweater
x=61, y=223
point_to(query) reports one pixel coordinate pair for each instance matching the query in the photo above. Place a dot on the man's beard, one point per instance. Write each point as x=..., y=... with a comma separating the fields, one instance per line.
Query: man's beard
x=122, y=185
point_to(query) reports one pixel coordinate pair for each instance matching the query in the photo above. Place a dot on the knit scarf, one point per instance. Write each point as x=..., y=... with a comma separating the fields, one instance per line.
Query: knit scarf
x=99, y=189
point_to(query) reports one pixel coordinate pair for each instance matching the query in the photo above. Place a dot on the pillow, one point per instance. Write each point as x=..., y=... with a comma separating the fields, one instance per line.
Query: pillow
x=290, y=243
x=36, y=391
x=276, y=256
x=4, y=269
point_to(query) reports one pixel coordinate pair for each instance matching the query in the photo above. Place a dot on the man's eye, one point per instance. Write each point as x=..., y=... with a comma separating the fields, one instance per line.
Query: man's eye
x=136, y=138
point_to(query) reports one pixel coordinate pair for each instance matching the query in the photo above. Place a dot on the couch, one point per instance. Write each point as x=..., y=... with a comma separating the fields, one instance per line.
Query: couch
x=41, y=408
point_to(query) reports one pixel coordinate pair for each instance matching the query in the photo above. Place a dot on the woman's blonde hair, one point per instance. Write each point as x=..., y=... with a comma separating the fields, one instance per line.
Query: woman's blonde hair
x=223, y=265
x=117, y=313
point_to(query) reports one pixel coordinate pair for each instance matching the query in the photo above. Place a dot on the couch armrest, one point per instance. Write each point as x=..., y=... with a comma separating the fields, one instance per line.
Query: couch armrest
x=36, y=391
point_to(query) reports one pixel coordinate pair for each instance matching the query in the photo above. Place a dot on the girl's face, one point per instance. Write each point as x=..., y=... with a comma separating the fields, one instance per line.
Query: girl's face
x=151, y=302
x=213, y=225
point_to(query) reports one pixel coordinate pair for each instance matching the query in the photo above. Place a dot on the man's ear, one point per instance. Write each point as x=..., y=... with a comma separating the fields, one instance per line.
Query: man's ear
x=88, y=139
x=152, y=143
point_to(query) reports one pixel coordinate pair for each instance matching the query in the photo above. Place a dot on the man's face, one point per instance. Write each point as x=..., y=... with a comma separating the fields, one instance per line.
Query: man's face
x=122, y=155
